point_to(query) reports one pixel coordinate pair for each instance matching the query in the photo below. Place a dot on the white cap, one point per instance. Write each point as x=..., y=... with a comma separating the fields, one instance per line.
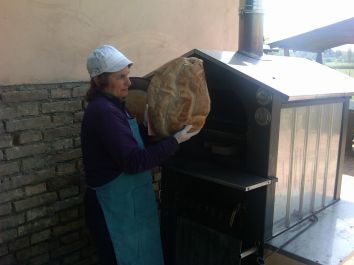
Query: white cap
x=106, y=58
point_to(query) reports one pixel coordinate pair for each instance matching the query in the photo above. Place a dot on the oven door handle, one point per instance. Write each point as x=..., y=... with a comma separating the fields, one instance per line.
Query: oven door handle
x=233, y=215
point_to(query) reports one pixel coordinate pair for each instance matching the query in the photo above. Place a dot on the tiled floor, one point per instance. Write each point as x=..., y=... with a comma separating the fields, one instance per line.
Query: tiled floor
x=328, y=239
x=349, y=260
x=342, y=218
x=349, y=166
x=349, y=170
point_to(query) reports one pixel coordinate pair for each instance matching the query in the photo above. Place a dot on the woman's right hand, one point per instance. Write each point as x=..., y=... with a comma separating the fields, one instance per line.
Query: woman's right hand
x=183, y=135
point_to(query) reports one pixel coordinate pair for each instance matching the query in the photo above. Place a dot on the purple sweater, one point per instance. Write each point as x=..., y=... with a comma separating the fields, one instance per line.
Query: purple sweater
x=108, y=145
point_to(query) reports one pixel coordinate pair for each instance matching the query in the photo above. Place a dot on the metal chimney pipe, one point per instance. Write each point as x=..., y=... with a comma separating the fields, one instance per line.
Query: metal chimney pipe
x=250, y=41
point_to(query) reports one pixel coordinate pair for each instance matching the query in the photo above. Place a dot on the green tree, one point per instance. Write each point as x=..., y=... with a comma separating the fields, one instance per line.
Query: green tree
x=350, y=55
x=339, y=55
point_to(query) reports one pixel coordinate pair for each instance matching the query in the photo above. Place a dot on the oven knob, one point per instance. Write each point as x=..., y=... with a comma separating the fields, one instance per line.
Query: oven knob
x=263, y=116
x=263, y=96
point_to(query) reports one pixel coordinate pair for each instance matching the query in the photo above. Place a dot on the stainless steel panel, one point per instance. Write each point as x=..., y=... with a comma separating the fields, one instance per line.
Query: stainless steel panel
x=277, y=73
x=313, y=133
x=283, y=168
x=304, y=184
x=333, y=152
x=322, y=156
x=316, y=151
x=307, y=162
x=329, y=140
x=297, y=163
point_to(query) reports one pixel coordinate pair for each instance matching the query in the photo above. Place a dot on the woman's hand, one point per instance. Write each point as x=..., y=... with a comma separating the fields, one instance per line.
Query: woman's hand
x=183, y=135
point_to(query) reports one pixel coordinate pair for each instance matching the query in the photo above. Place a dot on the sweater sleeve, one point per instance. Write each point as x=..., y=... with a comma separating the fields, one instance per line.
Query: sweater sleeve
x=116, y=136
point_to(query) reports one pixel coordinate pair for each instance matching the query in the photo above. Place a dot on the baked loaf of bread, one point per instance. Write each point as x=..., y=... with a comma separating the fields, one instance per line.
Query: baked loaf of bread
x=177, y=96
x=135, y=103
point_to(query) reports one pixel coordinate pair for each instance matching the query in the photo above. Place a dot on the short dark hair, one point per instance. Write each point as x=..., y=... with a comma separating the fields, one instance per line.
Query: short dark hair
x=97, y=85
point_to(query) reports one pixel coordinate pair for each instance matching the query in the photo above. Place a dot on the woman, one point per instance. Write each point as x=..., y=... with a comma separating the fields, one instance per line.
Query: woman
x=119, y=202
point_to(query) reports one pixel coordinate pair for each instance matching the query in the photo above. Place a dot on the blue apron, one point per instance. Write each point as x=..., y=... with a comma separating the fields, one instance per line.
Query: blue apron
x=129, y=208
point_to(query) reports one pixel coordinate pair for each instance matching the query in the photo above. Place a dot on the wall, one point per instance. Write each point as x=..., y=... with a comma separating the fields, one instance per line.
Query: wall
x=41, y=176
x=41, y=180
x=45, y=41
x=44, y=44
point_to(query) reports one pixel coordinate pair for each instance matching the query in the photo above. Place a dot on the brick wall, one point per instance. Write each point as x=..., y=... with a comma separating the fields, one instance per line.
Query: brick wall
x=41, y=180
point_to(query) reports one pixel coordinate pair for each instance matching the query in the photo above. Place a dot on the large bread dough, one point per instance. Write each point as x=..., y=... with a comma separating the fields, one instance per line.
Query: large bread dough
x=178, y=96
